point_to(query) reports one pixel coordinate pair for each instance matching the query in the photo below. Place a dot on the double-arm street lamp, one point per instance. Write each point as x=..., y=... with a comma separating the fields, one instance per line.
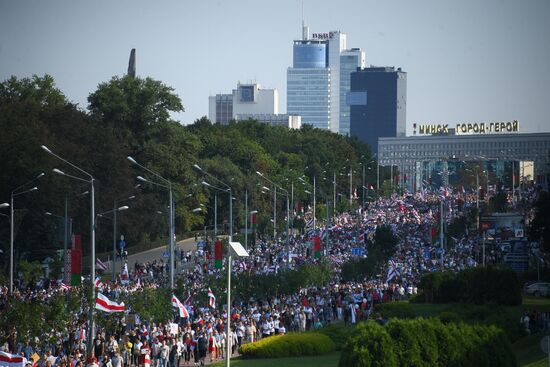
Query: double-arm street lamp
x=115, y=210
x=23, y=189
x=90, y=180
x=228, y=190
x=275, y=187
x=167, y=184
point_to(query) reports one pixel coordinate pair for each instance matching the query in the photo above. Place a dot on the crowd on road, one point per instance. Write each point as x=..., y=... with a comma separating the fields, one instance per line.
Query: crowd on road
x=201, y=337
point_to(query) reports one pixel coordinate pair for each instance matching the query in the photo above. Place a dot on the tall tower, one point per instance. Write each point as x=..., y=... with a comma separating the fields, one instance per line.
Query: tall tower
x=308, y=81
x=132, y=64
x=350, y=60
x=378, y=101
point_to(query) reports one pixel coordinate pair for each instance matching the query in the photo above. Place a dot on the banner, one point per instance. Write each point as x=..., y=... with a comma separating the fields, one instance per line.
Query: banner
x=218, y=254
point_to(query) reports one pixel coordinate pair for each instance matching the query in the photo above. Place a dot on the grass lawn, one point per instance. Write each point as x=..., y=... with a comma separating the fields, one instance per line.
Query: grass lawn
x=528, y=352
x=329, y=360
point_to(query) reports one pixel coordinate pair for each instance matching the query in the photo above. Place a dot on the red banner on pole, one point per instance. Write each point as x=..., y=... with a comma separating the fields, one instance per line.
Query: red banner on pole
x=218, y=254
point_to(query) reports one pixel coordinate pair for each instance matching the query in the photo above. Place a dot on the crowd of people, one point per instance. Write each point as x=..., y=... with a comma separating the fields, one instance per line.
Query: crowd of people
x=201, y=337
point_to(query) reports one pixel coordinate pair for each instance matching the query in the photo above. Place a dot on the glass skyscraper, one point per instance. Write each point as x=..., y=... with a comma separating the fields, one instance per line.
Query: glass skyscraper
x=319, y=80
x=350, y=60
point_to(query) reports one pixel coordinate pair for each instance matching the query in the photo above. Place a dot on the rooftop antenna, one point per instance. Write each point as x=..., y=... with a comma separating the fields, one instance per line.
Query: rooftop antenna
x=305, y=29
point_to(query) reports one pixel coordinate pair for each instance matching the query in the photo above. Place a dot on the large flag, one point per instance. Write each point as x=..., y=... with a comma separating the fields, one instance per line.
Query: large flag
x=104, y=304
x=100, y=265
x=317, y=247
x=392, y=271
x=12, y=360
x=98, y=283
x=176, y=303
x=211, y=299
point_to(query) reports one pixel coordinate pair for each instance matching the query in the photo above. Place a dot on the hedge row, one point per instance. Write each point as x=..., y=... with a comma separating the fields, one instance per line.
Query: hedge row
x=289, y=345
x=426, y=342
x=475, y=285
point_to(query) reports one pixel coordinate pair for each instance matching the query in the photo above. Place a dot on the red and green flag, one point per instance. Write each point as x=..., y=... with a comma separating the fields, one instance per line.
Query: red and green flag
x=317, y=247
x=218, y=254
x=253, y=221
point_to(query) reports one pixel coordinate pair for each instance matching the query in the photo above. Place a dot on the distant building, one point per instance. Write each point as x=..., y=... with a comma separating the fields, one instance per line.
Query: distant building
x=378, y=104
x=350, y=60
x=250, y=101
x=318, y=81
x=220, y=108
x=246, y=99
x=290, y=121
x=500, y=154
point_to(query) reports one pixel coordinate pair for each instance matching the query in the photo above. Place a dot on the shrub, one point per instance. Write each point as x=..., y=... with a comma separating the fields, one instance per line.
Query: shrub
x=289, y=345
x=369, y=345
x=338, y=333
x=427, y=342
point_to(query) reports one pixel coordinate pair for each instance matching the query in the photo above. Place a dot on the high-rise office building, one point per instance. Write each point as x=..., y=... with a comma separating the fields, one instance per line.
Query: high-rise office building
x=308, y=82
x=378, y=104
x=318, y=80
x=350, y=60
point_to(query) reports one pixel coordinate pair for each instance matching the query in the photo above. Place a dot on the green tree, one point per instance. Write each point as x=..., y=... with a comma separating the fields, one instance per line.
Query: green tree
x=540, y=226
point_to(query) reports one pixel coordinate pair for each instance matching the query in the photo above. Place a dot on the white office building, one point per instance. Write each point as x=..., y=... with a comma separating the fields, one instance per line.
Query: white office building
x=246, y=99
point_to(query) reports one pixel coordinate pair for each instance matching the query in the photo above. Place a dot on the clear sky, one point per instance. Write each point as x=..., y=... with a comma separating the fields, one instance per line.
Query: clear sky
x=467, y=61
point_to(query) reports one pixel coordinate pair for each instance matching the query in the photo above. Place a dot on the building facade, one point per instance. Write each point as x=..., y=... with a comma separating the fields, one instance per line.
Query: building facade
x=350, y=60
x=246, y=99
x=286, y=120
x=422, y=159
x=220, y=108
x=318, y=80
x=378, y=104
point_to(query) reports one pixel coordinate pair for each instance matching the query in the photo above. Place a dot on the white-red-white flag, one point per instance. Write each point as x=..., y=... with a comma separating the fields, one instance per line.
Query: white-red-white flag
x=105, y=304
x=176, y=303
x=12, y=360
x=100, y=265
x=98, y=283
x=211, y=299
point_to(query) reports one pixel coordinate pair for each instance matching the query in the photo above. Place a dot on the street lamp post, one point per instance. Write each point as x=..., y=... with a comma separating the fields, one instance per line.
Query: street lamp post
x=167, y=185
x=275, y=186
x=16, y=192
x=89, y=180
x=228, y=321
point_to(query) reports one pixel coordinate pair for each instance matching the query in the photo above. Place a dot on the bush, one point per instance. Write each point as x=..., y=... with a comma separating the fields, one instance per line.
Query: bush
x=399, y=310
x=427, y=342
x=289, y=345
x=338, y=333
x=476, y=285
x=369, y=345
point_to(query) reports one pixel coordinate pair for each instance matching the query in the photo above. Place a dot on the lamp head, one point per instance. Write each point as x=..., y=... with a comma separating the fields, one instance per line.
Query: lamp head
x=197, y=167
x=141, y=178
x=40, y=175
x=58, y=171
x=46, y=149
x=131, y=160
x=4, y=205
x=205, y=183
x=125, y=207
x=196, y=210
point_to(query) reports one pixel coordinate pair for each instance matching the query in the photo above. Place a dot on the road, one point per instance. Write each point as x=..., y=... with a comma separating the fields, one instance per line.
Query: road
x=155, y=253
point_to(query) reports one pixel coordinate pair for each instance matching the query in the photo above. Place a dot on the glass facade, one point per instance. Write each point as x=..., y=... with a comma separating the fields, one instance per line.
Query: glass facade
x=308, y=95
x=497, y=155
x=310, y=55
x=349, y=62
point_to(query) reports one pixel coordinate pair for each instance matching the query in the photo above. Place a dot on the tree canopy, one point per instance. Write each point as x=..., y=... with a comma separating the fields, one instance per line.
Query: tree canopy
x=133, y=117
